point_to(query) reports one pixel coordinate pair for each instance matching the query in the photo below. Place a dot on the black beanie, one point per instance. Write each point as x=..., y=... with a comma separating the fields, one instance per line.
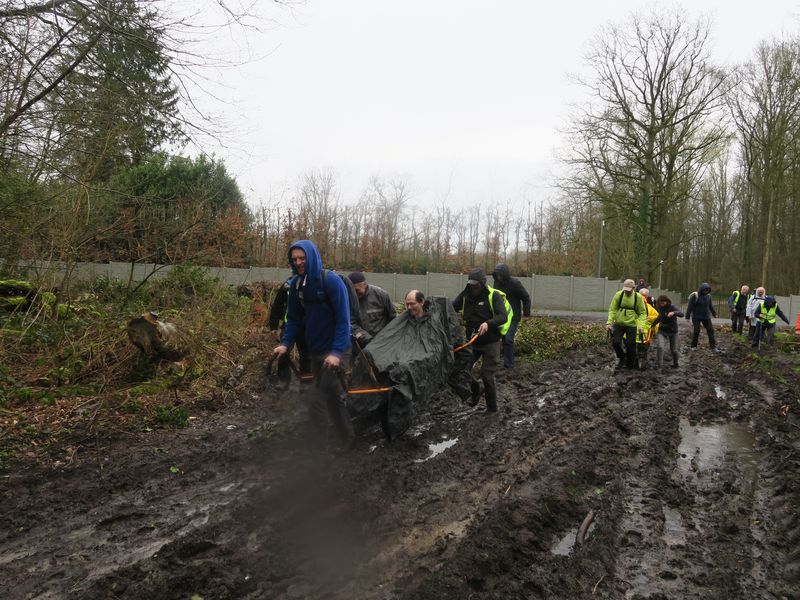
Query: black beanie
x=357, y=277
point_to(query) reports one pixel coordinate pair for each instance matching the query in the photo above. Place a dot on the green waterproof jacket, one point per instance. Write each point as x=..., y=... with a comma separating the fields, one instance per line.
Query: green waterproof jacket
x=627, y=310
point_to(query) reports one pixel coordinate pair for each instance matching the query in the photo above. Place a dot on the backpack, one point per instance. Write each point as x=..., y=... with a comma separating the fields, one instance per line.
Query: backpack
x=355, y=317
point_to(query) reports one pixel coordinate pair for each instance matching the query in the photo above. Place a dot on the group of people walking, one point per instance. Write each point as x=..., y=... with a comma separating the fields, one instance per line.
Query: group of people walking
x=636, y=321
x=317, y=311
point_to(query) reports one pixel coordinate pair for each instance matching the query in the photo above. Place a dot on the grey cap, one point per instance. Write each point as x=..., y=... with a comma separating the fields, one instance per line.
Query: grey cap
x=476, y=276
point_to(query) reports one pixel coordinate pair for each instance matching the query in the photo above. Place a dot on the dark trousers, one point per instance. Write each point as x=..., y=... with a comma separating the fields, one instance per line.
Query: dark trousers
x=303, y=360
x=508, y=344
x=626, y=334
x=489, y=355
x=764, y=331
x=737, y=321
x=712, y=341
x=328, y=401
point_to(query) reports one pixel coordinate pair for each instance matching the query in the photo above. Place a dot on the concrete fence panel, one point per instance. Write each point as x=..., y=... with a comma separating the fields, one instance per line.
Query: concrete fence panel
x=588, y=293
x=551, y=291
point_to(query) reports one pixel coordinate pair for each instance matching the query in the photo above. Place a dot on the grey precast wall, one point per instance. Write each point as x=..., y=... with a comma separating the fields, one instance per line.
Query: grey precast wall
x=547, y=291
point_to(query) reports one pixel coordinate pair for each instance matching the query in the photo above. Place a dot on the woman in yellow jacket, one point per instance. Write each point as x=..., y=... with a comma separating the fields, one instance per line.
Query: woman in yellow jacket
x=643, y=341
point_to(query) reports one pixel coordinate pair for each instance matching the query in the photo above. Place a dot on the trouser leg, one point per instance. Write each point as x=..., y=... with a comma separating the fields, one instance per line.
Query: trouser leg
x=630, y=347
x=508, y=345
x=673, y=348
x=329, y=400
x=709, y=326
x=695, y=332
x=489, y=365
x=770, y=333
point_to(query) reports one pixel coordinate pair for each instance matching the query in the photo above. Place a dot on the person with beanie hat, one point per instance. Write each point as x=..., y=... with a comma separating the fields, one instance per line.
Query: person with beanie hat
x=375, y=308
x=487, y=314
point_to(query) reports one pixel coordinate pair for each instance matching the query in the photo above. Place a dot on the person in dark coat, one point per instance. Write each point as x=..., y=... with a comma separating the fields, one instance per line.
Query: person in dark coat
x=484, y=311
x=375, y=308
x=667, y=323
x=700, y=309
x=520, y=302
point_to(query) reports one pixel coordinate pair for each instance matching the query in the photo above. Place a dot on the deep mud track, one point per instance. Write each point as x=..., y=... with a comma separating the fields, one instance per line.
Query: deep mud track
x=693, y=477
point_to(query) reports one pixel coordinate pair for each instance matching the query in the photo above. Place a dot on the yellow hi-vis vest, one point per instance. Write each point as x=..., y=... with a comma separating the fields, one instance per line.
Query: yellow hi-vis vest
x=504, y=327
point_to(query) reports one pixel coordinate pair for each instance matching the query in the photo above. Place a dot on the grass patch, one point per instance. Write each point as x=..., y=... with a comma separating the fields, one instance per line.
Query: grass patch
x=546, y=338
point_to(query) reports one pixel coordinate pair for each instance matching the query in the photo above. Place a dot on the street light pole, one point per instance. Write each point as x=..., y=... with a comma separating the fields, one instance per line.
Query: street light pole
x=600, y=250
x=660, y=264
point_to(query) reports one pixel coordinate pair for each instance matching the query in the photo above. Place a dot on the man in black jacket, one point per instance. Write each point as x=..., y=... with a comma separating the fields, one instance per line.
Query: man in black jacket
x=484, y=311
x=700, y=309
x=520, y=302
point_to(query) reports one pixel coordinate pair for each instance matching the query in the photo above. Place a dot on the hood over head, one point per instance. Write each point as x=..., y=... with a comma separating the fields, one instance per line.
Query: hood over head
x=770, y=301
x=313, y=260
x=704, y=288
x=501, y=272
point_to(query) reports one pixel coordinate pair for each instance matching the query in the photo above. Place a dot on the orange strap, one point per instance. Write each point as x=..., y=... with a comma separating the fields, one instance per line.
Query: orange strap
x=471, y=340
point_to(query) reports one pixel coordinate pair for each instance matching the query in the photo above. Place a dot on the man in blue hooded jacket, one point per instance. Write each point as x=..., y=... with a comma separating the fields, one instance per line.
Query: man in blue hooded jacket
x=700, y=309
x=322, y=309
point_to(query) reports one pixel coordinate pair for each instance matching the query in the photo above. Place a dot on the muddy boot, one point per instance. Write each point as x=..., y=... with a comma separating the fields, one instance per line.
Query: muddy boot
x=490, y=391
x=674, y=360
x=475, y=396
x=620, y=364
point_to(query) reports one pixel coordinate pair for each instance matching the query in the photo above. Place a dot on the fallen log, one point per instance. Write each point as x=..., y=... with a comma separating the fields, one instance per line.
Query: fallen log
x=155, y=339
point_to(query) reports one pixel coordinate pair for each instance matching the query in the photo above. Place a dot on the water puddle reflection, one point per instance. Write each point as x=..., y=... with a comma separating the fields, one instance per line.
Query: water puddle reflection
x=705, y=447
x=437, y=449
x=564, y=545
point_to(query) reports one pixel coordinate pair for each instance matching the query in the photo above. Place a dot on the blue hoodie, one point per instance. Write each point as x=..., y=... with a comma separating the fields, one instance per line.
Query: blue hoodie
x=701, y=306
x=325, y=313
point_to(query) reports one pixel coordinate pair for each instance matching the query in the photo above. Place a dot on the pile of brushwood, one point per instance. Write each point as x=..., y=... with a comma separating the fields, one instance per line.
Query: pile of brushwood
x=70, y=377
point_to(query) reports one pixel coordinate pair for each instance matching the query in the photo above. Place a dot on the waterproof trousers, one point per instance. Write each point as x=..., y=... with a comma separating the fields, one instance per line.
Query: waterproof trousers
x=328, y=401
x=737, y=321
x=626, y=334
x=489, y=355
x=712, y=341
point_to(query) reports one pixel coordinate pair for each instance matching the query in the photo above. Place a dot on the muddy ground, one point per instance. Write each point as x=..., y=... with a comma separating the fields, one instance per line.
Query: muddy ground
x=693, y=477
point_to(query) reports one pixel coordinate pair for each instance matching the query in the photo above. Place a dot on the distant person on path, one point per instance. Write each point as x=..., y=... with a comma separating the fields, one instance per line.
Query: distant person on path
x=627, y=314
x=753, y=303
x=520, y=302
x=765, y=316
x=487, y=313
x=700, y=309
x=375, y=308
x=640, y=285
x=737, y=303
x=321, y=309
x=667, y=322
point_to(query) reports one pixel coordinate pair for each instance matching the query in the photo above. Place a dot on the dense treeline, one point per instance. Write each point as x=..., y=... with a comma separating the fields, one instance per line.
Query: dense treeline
x=674, y=167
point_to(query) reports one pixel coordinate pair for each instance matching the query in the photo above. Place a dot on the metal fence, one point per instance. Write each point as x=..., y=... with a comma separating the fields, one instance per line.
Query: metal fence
x=547, y=291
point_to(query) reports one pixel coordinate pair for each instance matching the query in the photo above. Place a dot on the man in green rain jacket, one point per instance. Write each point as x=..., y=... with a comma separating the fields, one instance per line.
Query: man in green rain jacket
x=627, y=316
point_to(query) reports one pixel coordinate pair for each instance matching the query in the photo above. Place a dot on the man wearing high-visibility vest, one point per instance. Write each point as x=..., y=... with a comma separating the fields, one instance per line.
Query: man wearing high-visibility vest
x=737, y=303
x=765, y=317
x=487, y=314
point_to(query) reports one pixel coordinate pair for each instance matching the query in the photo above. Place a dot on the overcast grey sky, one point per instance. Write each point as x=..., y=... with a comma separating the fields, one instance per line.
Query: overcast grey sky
x=451, y=94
